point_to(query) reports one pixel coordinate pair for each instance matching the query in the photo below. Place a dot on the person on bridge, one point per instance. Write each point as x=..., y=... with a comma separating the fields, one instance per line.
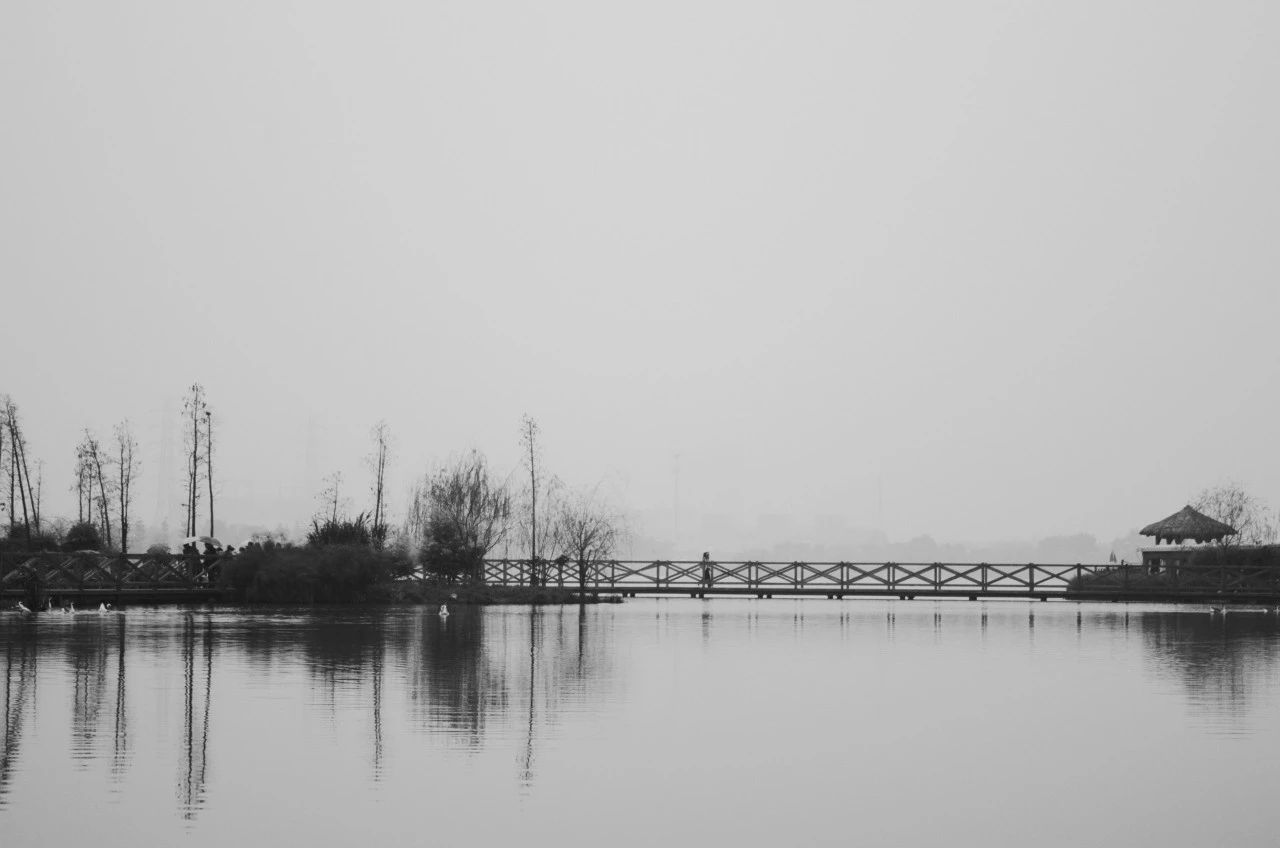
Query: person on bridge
x=708, y=566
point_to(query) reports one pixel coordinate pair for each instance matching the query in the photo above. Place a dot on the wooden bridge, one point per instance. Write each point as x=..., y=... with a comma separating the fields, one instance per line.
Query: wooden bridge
x=93, y=577
x=904, y=580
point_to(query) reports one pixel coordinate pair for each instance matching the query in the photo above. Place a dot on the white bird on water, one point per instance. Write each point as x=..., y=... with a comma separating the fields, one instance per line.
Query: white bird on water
x=22, y=607
x=444, y=610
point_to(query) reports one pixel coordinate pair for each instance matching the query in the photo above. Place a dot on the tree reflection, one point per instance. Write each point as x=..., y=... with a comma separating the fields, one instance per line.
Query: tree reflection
x=197, y=698
x=87, y=654
x=479, y=676
x=120, y=734
x=20, y=657
x=1221, y=660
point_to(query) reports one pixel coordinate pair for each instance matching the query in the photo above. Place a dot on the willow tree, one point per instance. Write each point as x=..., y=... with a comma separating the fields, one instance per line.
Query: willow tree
x=467, y=517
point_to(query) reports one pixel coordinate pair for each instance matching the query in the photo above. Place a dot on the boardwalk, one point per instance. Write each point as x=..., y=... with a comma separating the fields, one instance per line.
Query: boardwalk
x=903, y=580
x=91, y=577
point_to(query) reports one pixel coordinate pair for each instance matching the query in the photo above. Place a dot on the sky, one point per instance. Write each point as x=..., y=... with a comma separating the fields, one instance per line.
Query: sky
x=977, y=270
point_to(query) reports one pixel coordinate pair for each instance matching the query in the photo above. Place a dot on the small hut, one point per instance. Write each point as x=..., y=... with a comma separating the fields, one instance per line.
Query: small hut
x=1185, y=524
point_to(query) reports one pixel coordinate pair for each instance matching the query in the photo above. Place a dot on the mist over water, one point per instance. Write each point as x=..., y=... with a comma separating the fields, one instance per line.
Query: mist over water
x=762, y=722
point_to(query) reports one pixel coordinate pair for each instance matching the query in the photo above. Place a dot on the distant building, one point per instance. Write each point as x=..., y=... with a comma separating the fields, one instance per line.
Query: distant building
x=1185, y=525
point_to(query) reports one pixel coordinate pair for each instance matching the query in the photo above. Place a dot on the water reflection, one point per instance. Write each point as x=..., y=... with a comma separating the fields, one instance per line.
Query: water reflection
x=197, y=645
x=1222, y=661
x=19, y=695
x=405, y=684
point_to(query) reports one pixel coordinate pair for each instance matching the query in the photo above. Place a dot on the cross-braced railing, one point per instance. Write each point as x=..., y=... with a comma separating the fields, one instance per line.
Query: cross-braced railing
x=904, y=579
x=70, y=573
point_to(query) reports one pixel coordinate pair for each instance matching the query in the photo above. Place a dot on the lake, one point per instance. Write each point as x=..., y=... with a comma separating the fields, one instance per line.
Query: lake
x=745, y=722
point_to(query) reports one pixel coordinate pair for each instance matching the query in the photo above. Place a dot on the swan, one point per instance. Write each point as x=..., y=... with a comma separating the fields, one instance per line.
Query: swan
x=23, y=607
x=1215, y=610
x=105, y=607
x=444, y=610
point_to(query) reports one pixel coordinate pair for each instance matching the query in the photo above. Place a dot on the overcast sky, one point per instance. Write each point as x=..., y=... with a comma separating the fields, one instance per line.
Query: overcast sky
x=974, y=269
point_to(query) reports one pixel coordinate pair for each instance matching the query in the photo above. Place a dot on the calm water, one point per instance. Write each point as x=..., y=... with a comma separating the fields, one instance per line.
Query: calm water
x=773, y=722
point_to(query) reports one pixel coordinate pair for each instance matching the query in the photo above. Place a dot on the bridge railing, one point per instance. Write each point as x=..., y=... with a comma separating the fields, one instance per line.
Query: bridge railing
x=52, y=572
x=763, y=576
x=889, y=578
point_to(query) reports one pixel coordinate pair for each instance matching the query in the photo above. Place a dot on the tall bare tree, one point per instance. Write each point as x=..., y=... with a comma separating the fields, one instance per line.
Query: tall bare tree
x=127, y=463
x=536, y=530
x=208, y=461
x=84, y=484
x=19, y=469
x=377, y=461
x=193, y=409
x=98, y=462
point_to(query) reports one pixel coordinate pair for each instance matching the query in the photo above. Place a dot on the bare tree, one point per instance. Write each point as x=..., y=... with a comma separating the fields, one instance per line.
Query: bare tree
x=97, y=464
x=208, y=461
x=36, y=491
x=467, y=517
x=588, y=532
x=5, y=505
x=84, y=483
x=377, y=460
x=127, y=465
x=1249, y=515
x=529, y=438
x=194, y=407
x=542, y=491
x=331, y=501
x=19, y=470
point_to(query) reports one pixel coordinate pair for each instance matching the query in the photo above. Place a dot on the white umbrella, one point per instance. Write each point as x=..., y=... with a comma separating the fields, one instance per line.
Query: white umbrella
x=201, y=540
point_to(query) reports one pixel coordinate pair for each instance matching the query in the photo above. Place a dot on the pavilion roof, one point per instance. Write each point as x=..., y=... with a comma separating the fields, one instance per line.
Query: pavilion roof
x=1188, y=523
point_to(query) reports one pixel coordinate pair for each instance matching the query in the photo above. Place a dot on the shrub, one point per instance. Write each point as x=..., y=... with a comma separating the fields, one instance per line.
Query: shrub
x=17, y=541
x=333, y=532
x=82, y=536
x=324, y=574
x=450, y=553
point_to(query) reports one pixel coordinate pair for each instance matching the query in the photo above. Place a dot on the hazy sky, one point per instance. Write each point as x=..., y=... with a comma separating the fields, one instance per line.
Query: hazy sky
x=1012, y=264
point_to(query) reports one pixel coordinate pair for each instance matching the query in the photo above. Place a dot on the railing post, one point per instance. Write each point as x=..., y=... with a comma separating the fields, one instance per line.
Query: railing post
x=984, y=579
x=1031, y=577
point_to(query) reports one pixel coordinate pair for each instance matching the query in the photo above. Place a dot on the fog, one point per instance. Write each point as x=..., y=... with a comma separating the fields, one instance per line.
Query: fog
x=835, y=275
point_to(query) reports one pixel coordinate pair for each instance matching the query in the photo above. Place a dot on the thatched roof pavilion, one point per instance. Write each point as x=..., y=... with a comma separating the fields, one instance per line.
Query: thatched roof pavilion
x=1188, y=523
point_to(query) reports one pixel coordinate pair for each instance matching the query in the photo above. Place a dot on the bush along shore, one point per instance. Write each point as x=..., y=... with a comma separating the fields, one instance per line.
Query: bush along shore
x=1212, y=571
x=357, y=573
